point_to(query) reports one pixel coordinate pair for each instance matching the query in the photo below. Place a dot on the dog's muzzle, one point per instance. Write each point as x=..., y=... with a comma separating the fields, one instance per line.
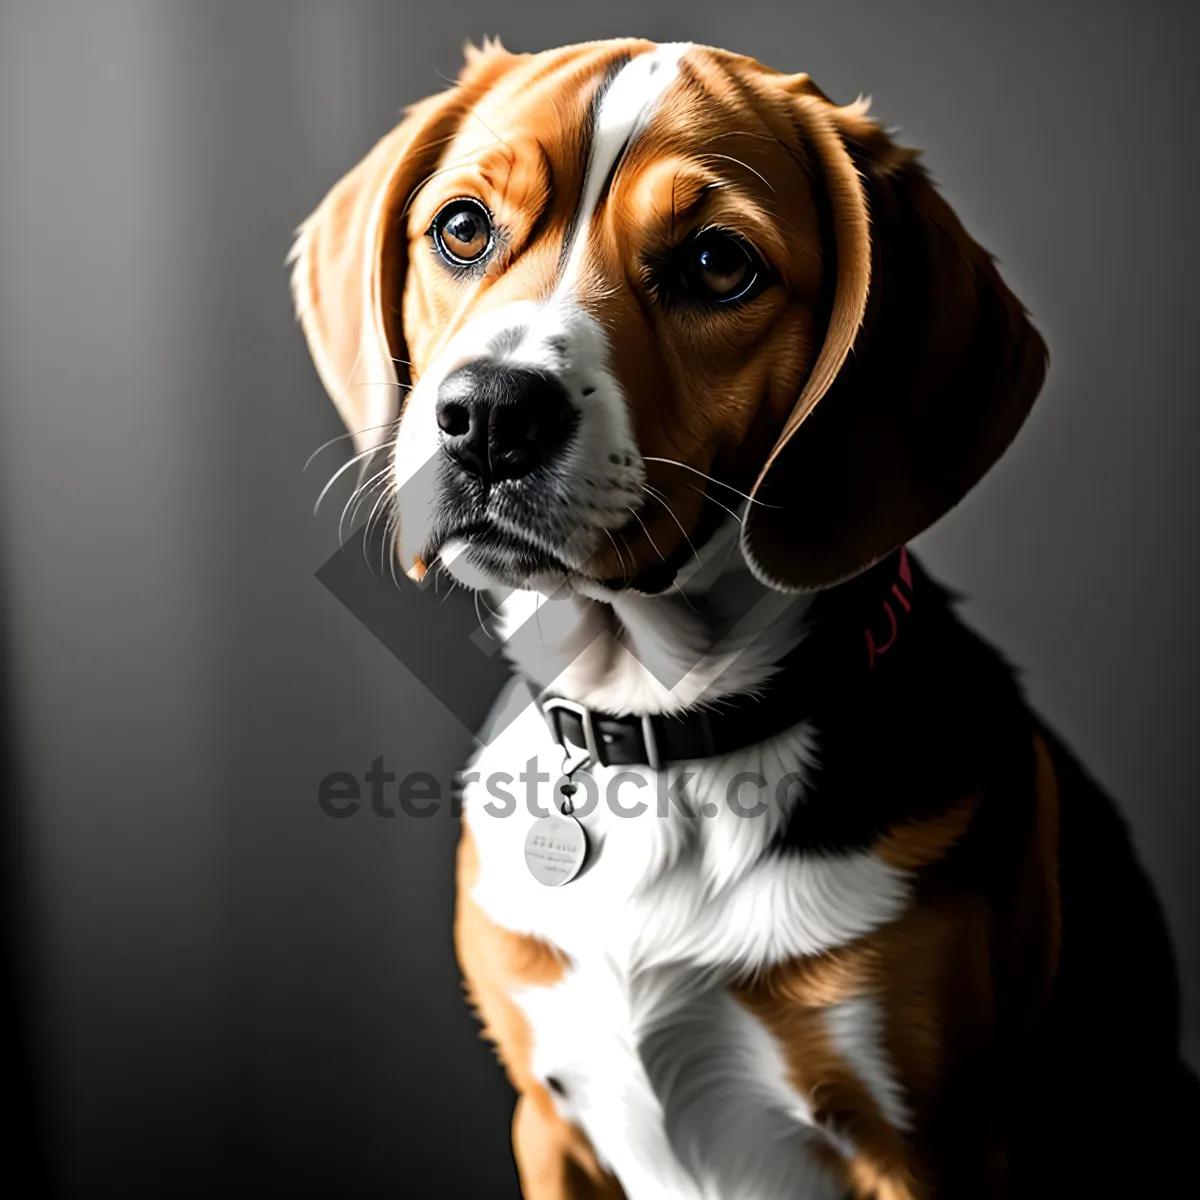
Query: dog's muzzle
x=500, y=421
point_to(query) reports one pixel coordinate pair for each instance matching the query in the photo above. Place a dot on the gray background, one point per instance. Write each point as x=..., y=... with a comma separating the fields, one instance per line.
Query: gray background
x=225, y=989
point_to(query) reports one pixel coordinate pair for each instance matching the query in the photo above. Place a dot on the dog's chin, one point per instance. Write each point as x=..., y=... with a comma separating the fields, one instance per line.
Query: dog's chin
x=482, y=565
x=488, y=558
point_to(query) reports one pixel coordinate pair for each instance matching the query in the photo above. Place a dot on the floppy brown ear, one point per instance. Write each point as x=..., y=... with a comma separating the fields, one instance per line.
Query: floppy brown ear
x=350, y=257
x=928, y=367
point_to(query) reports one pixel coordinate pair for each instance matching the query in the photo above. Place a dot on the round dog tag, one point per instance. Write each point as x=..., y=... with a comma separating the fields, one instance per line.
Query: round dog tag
x=556, y=845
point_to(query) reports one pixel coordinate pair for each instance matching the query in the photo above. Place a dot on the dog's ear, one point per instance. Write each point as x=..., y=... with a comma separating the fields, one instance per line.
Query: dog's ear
x=350, y=257
x=928, y=366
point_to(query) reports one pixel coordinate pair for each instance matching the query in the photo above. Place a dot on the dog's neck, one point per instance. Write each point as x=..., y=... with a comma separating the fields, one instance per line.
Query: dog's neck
x=717, y=633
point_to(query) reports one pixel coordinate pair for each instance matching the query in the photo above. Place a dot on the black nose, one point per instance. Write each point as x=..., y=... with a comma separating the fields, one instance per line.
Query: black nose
x=500, y=421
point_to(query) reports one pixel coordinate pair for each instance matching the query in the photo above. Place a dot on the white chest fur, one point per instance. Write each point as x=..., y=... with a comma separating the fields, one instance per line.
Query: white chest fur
x=680, y=1090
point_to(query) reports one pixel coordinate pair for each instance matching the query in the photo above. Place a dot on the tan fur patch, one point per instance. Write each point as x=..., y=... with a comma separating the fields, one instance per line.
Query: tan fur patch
x=917, y=844
x=930, y=972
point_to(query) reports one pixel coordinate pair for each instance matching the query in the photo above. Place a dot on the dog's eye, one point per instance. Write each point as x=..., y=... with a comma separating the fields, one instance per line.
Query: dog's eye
x=719, y=267
x=462, y=232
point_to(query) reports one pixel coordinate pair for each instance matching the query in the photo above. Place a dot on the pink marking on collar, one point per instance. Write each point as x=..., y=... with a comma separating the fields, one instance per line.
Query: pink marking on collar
x=904, y=572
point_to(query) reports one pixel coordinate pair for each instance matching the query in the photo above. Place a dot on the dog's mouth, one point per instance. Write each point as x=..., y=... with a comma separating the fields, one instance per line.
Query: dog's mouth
x=500, y=556
x=510, y=556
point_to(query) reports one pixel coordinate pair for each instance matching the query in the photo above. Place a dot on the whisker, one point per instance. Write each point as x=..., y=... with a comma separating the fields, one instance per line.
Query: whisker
x=429, y=145
x=726, y=507
x=730, y=158
x=647, y=533
x=384, y=495
x=670, y=513
x=462, y=162
x=746, y=133
x=341, y=437
x=482, y=625
x=620, y=558
x=358, y=497
x=477, y=117
x=683, y=594
x=673, y=462
x=624, y=543
x=382, y=545
x=389, y=545
x=345, y=467
x=388, y=500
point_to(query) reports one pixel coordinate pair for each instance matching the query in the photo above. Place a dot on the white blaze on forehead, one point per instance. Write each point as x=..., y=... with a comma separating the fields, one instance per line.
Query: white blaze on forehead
x=626, y=106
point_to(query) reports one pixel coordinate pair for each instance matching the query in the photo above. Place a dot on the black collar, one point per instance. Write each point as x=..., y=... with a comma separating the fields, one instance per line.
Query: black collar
x=851, y=628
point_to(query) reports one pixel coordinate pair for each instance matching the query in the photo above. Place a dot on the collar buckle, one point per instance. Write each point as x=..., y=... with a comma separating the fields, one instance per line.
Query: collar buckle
x=552, y=711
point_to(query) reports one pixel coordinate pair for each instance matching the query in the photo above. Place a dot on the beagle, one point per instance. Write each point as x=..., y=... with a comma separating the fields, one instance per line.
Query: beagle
x=672, y=356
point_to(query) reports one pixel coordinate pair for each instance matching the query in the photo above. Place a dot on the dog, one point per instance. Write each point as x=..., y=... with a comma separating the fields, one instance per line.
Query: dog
x=672, y=356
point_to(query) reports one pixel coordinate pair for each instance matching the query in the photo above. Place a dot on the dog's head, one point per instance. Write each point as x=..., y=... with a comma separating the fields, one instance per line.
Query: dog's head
x=593, y=294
